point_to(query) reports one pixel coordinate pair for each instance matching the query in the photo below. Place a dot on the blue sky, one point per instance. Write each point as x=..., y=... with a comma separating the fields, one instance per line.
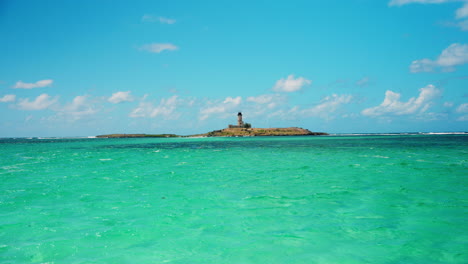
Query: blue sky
x=82, y=68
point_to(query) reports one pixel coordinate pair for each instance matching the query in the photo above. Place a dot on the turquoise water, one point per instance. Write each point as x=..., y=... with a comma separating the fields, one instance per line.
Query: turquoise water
x=336, y=199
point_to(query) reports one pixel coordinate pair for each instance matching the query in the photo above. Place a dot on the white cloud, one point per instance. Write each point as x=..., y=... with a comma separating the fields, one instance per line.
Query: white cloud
x=119, y=97
x=79, y=108
x=166, y=108
x=423, y=65
x=326, y=109
x=454, y=55
x=261, y=99
x=268, y=100
x=463, y=108
x=463, y=25
x=77, y=103
x=229, y=105
x=404, y=2
x=290, y=84
x=165, y=20
x=327, y=106
x=392, y=105
x=160, y=19
x=8, y=98
x=462, y=12
x=448, y=104
x=158, y=47
x=38, y=84
x=263, y=104
x=41, y=102
x=363, y=82
x=291, y=113
x=234, y=101
x=144, y=109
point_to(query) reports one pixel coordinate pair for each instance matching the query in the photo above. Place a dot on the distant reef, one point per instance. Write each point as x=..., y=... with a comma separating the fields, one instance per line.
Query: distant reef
x=230, y=132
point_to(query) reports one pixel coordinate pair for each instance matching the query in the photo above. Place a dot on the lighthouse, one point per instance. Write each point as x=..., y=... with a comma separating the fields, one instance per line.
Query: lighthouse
x=240, y=123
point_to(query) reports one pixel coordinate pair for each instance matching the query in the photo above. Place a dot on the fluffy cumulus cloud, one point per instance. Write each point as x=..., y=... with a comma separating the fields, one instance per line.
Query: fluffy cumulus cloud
x=454, y=55
x=159, y=47
x=41, y=102
x=166, y=108
x=79, y=108
x=392, y=105
x=119, y=97
x=160, y=19
x=290, y=84
x=38, y=84
x=462, y=12
x=8, y=98
x=222, y=109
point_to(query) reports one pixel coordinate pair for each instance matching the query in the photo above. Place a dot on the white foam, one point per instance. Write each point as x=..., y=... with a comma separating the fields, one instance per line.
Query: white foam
x=402, y=133
x=445, y=133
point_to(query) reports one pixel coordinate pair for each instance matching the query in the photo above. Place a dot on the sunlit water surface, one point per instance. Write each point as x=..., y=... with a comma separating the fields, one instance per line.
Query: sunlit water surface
x=335, y=199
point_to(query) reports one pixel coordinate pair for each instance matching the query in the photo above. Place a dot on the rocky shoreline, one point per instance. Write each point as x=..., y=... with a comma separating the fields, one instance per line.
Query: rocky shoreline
x=261, y=132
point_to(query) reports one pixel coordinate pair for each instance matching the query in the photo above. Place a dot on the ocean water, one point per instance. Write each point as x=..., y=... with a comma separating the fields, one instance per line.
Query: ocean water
x=333, y=199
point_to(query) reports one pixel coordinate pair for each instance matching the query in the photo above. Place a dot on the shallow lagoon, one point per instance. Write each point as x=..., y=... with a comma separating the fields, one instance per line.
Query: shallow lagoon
x=334, y=199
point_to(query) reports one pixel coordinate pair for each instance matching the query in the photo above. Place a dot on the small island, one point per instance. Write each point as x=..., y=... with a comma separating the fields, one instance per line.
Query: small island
x=262, y=132
x=240, y=130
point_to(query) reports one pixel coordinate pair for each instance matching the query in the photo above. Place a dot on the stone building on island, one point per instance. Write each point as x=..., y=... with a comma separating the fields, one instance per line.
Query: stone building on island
x=240, y=123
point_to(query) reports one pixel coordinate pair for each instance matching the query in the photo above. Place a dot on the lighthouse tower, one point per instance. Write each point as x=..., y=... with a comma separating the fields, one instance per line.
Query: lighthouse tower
x=240, y=123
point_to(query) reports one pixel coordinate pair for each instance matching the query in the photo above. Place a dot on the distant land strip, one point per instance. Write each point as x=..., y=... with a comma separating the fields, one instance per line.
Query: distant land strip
x=230, y=132
x=137, y=136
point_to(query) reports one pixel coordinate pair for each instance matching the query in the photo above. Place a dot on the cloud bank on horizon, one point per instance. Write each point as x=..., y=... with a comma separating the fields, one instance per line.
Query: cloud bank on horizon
x=218, y=69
